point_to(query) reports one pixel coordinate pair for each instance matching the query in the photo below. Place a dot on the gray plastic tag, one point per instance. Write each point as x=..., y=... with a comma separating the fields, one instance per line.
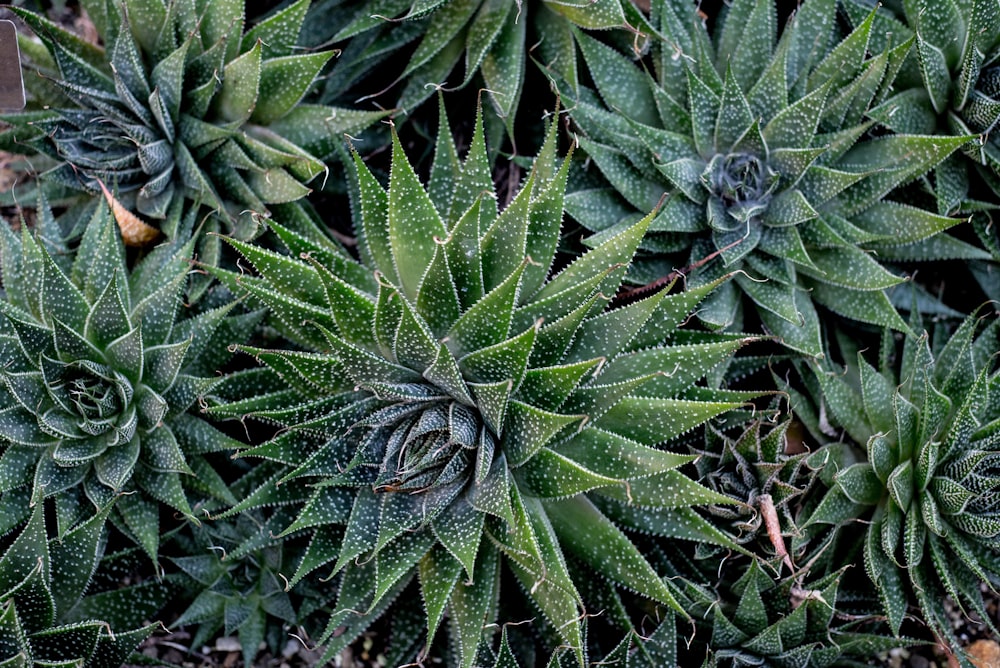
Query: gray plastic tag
x=11, y=79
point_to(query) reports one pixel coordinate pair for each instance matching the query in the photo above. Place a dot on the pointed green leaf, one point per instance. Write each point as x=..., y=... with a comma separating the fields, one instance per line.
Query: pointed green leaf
x=241, y=78
x=594, y=539
x=413, y=223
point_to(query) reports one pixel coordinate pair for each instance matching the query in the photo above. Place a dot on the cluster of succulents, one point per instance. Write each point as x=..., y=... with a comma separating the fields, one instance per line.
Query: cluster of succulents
x=636, y=383
x=182, y=104
x=931, y=430
x=478, y=404
x=762, y=148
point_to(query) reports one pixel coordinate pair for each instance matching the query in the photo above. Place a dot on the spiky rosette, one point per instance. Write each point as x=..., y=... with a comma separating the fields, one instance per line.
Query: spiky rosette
x=762, y=152
x=181, y=103
x=42, y=585
x=235, y=567
x=754, y=621
x=769, y=472
x=470, y=411
x=931, y=482
x=764, y=622
x=490, y=38
x=957, y=61
x=99, y=373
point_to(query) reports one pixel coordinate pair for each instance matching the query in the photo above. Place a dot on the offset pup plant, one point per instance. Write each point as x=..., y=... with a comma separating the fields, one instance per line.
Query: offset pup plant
x=763, y=622
x=957, y=60
x=42, y=583
x=757, y=468
x=233, y=572
x=932, y=434
x=182, y=104
x=761, y=148
x=100, y=374
x=469, y=411
x=490, y=38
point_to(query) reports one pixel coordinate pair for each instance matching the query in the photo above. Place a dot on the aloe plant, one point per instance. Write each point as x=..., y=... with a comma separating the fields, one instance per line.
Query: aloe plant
x=930, y=480
x=763, y=622
x=42, y=582
x=957, y=92
x=102, y=375
x=761, y=148
x=770, y=472
x=181, y=103
x=461, y=403
x=491, y=39
x=755, y=620
x=233, y=569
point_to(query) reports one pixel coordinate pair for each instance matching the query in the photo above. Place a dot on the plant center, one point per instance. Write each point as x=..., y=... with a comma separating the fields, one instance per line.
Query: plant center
x=97, y=394
x=430, y=444
x=742, y=183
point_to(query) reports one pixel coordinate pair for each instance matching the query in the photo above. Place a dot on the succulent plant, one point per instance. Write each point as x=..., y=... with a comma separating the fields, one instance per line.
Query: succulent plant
x=462, y=403
x=632, y=651
x=182, y=104
x=491, y=38
x=761, y=149
x=763, y=622
x=987, y=273
x=957, y=92
x=235, y=568
x=99, y=373
x=42, y=581
x=769, y=472
x=755, y=620
x=930, y=482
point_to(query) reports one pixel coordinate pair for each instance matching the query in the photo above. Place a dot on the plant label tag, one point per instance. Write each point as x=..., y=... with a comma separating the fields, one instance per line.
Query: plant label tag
x=11, y=79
